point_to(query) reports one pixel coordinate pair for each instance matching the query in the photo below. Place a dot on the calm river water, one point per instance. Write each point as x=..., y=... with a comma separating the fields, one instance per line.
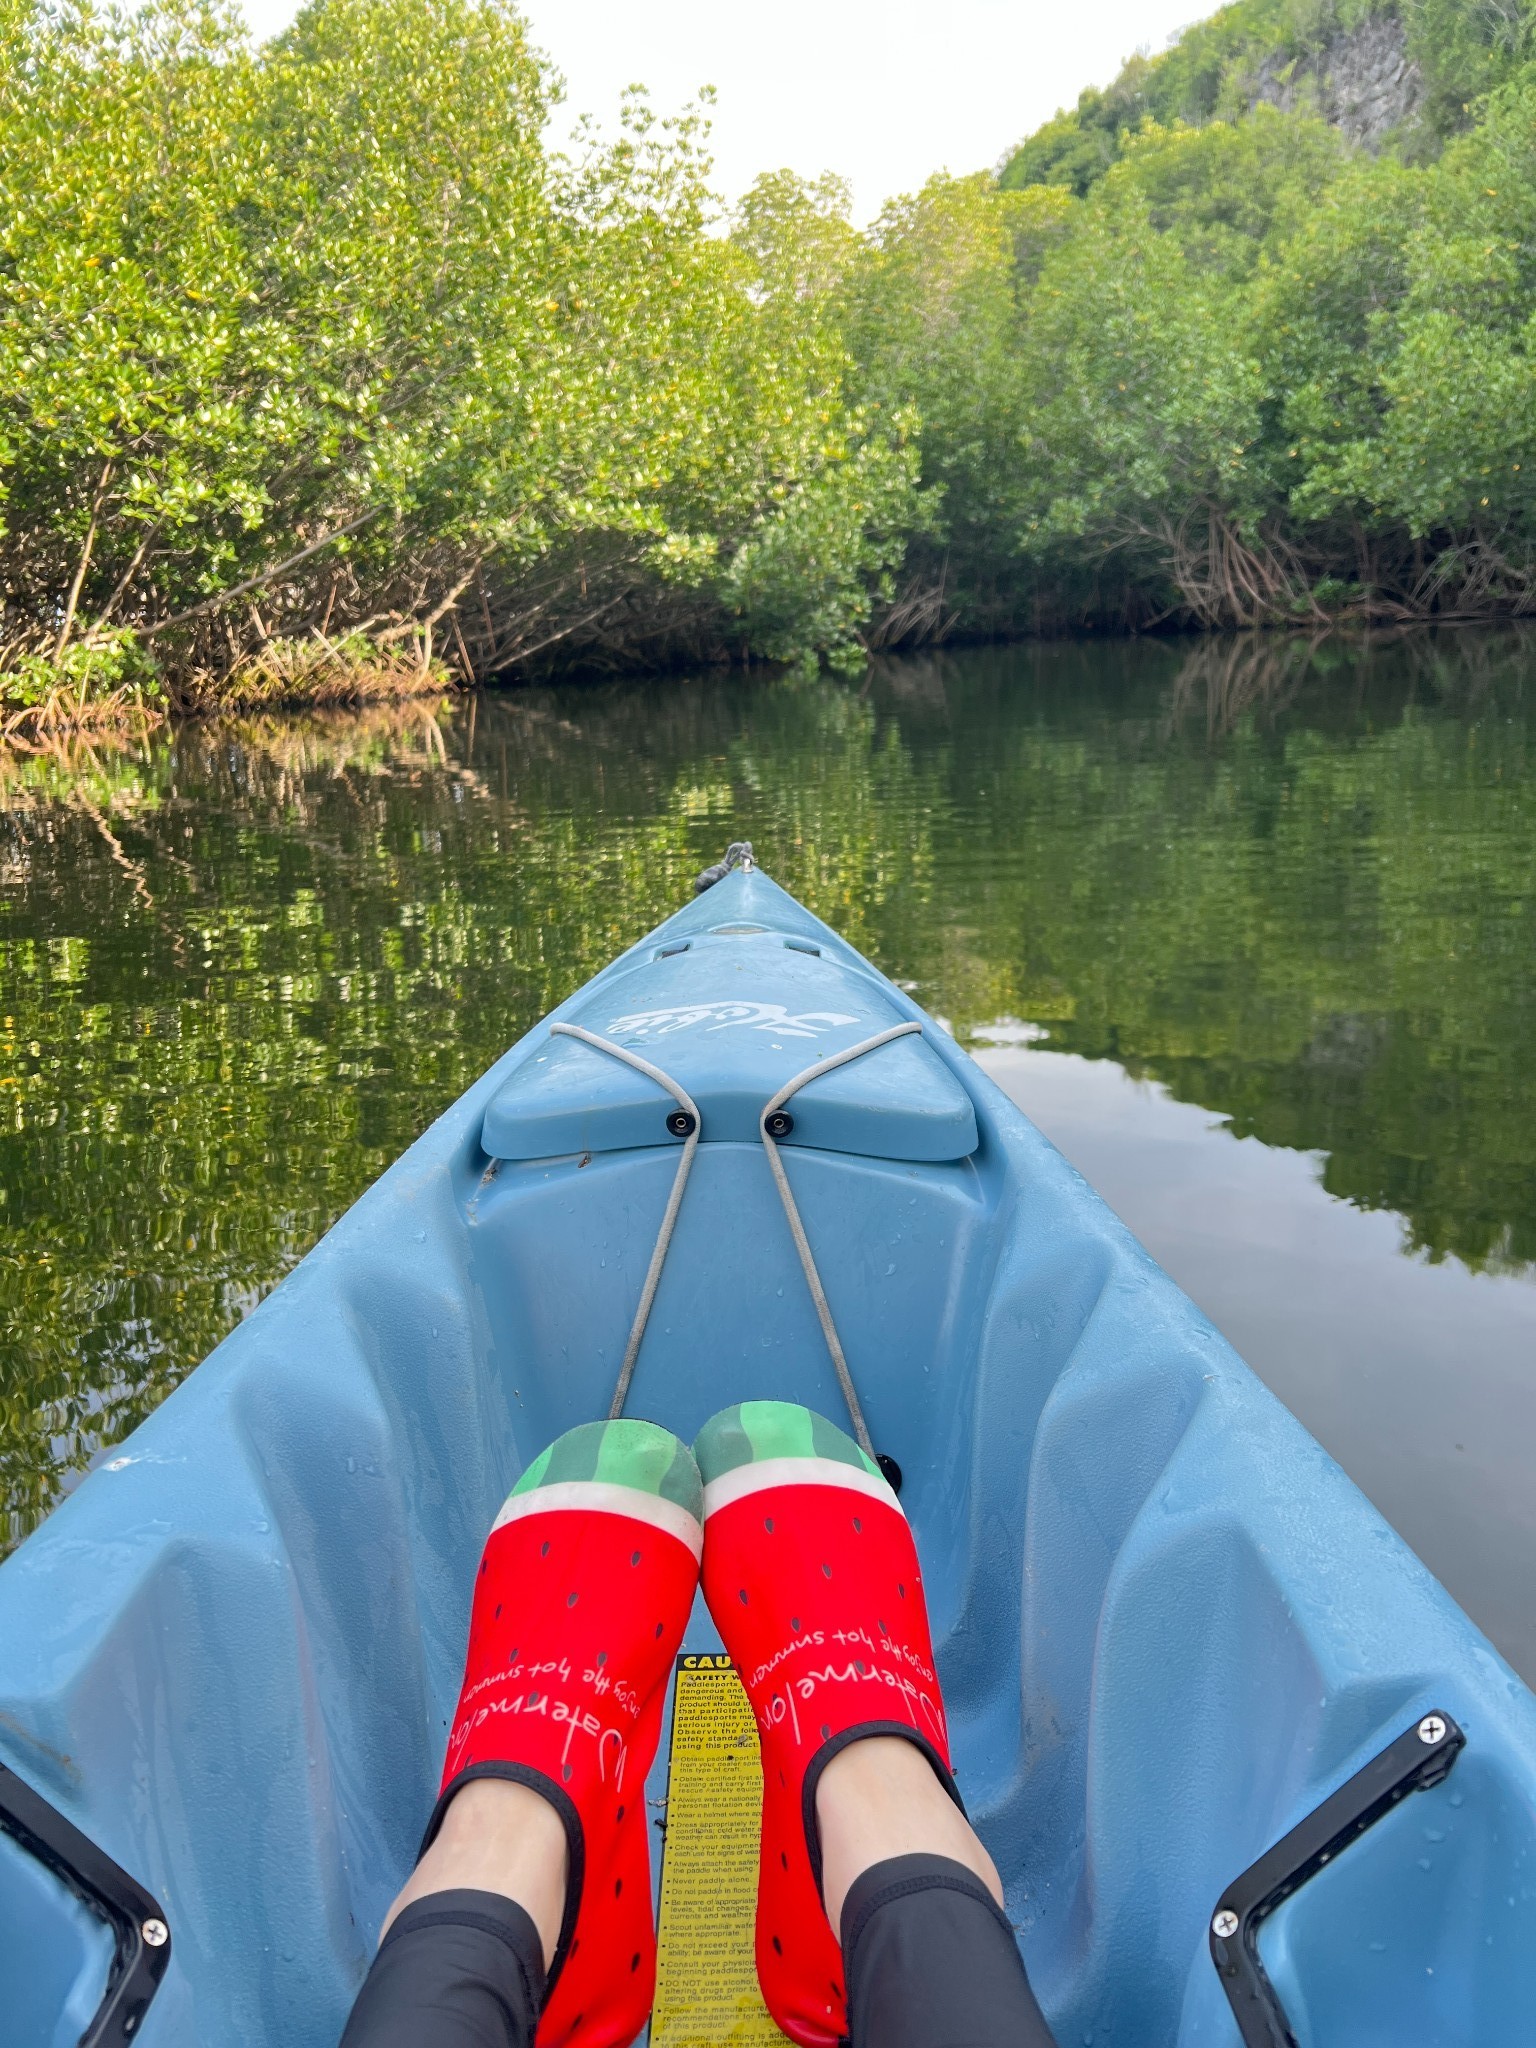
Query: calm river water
x=1249, y=930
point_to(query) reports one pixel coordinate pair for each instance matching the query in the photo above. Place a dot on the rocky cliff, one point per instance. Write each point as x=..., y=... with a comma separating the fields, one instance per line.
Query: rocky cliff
x=1363, y=81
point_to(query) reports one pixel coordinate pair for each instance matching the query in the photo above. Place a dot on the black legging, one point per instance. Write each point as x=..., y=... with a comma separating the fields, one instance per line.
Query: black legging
x=931, y=1963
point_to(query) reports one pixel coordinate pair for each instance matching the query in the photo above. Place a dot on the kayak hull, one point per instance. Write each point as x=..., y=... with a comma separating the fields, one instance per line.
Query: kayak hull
x=1168, y=1626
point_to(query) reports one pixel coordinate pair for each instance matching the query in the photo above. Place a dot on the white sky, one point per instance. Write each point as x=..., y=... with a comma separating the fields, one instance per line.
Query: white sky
x=882, y=91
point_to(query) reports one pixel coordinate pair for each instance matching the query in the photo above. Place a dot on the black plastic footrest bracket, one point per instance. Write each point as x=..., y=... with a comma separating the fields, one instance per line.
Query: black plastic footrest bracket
x=1416, y=1760
x=140, y=1931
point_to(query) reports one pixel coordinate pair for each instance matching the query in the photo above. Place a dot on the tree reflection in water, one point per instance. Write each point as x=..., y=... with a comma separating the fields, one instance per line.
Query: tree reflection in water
x=242, y=965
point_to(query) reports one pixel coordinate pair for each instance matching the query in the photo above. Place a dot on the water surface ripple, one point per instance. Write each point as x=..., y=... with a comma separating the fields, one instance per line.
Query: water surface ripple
x=242, y=965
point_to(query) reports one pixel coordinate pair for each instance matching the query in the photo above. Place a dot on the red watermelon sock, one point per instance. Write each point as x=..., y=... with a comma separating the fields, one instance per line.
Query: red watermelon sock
x=812, y=1578
x=580, y=1605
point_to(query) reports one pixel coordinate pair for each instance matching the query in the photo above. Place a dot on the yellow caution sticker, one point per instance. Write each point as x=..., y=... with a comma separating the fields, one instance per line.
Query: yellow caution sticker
x=706, y=1980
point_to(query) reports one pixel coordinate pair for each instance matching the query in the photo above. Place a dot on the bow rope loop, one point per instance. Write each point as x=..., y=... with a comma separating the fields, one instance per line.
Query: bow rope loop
x=770, y=1112
x=690, y=1109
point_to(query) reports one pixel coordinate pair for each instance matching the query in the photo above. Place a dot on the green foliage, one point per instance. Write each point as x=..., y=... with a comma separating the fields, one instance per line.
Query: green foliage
x=1246, y=374
x=321, y=339
x=318, y=346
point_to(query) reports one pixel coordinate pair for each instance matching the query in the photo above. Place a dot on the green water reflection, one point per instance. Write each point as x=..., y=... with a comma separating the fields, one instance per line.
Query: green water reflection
x=242, y=966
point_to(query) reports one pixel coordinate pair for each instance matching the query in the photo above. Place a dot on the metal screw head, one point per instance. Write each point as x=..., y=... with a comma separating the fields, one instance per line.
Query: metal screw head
x=156, y=1933
x=1432, y=1729
x=780, y=1124
x=680, y=1124
x=1224, y=1926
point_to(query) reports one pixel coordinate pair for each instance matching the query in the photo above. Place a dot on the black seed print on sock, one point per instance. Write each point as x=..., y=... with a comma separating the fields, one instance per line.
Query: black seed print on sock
x=794, y=1622
x=784, y=1858
x=826, y=1571
x=635, y=1557
x=545, y=1551
x=565, y=1773
x=782, y=1779
x=742, y=1595
x=602, y=1656
x=768, y=1523
x=837, y=1989
x=620, y=1814
x=533, y=1699
x=511, y=1658
x=634, y=1962
x=858, y=1526
x=660, y=1629
x=902, y=1591
x=482, y=1567
x=618, y=1886
x=778, y=1946
x=884, y=1630
x=497, y=1615
x=571, y=1599
x=826, y=1731
x=860, y=1666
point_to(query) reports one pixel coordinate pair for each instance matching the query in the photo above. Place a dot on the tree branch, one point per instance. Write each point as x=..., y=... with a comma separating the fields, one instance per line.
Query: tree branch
x=255, y=582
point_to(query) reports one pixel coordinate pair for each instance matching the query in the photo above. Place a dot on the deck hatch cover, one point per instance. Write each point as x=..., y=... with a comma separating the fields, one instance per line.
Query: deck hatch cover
x=732, y=1019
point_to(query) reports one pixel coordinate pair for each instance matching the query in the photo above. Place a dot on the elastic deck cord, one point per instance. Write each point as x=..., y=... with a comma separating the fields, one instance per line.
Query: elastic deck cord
x=690, y=1108
x=771, y=1110
x=797, y=1229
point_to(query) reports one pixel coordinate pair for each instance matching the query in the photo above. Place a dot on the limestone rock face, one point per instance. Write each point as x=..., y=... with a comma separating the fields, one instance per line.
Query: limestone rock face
x=1363, y=82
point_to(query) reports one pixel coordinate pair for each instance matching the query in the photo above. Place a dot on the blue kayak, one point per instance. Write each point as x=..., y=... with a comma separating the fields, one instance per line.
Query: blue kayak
x=1249, y=1773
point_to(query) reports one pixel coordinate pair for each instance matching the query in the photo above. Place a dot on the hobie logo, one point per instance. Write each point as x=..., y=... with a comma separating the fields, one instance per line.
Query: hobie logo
x=772, y=1017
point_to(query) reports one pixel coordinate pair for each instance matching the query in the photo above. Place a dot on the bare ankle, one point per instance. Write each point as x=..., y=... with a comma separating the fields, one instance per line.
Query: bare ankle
x=497, y=1837
x=881, y=1798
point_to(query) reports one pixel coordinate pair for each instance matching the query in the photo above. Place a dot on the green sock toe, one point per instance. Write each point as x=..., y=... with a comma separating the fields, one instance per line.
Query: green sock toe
x=622, y=1453
x=754, y=1430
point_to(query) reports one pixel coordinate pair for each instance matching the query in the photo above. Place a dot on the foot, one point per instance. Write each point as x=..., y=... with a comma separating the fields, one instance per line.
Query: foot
x=812, y=1578
x=879, y=1798
x=580, y=1605
x=497, y=1837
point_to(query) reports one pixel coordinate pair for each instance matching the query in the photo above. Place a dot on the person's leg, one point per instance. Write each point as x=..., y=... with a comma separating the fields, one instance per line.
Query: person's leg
x=929, y=1957
x=529, y=1910
x=814, y=1584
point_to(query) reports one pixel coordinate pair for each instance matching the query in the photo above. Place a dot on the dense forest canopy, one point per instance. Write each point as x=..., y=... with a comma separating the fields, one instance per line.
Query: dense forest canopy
x=318, y=365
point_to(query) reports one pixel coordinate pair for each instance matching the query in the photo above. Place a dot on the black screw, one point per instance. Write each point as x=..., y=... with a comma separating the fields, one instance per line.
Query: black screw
x=780, y=1124
x=681, y=1124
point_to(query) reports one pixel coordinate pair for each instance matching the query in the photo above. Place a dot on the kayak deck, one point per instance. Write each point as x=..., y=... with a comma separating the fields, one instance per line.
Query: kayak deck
x=1168, y=1626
